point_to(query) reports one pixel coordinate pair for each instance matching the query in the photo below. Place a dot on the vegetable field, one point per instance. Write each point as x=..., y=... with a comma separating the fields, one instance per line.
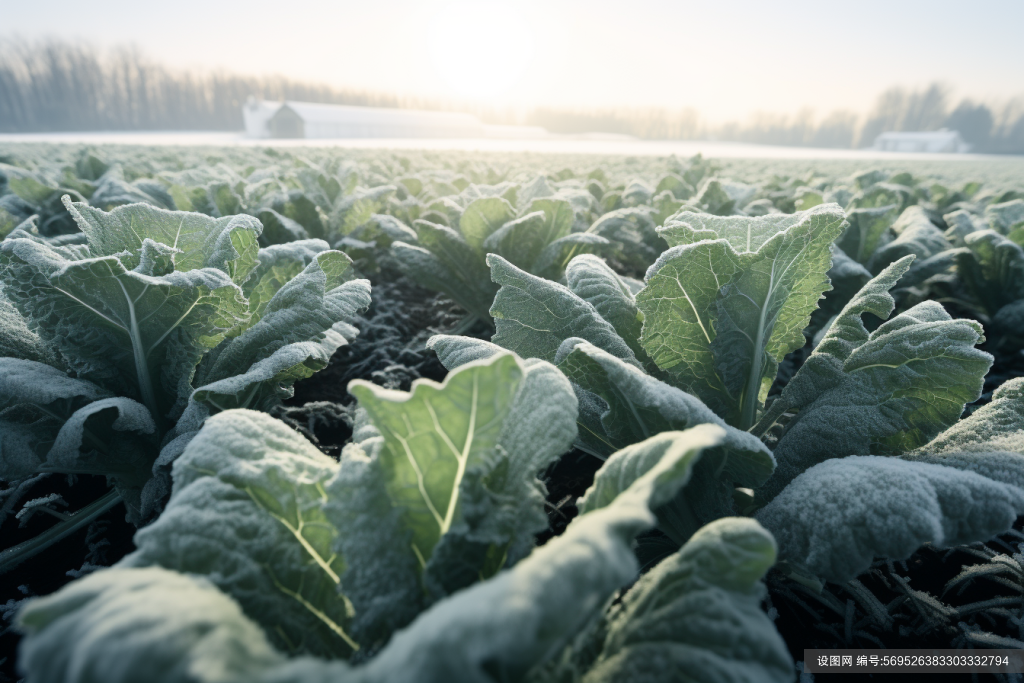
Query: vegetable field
x=290, y=415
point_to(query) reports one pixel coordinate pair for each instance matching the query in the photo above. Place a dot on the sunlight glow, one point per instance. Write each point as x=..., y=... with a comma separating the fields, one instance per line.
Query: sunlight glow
x=480, y=49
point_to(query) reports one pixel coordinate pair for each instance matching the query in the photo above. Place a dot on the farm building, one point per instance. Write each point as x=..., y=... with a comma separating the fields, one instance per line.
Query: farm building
x=308, y=120
x=948, y=141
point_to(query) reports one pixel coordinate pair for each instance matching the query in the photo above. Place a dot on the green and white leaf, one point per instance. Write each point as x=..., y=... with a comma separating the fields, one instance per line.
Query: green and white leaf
x=246, y=512
x=35, y=402
x=229, y=244
x=916, y=235
x=461, y=460
x=533, y=316
x=837, y=516
x=135, y=334
x=718, y=321
x=868, y=230
x=697, y=616
x=482, y=218
x=591, y=279
x=127, y=625
x=888, y=391
x=305, y=321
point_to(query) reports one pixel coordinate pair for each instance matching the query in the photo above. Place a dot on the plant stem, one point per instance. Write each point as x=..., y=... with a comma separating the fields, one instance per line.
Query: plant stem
x=770, y=417
x=12, y=557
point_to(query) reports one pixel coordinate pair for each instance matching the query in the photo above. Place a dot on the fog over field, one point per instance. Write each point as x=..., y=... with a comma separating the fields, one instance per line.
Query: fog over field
x=795, y=73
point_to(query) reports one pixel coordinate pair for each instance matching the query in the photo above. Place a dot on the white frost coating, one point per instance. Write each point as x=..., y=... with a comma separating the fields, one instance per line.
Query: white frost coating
x=629, y=464
x=287, y=364
x=526, y=613
x=16, y=340
x=26, y=381
x=590, y=278
x=455, y=351
x=132, y=416
x=744, y=233
x=833, y=519
x=998, y=426
x=533, y=316
x=246, y=512
x=128, y=625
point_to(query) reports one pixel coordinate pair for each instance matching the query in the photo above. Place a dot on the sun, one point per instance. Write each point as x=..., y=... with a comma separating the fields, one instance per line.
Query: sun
x=480, y=49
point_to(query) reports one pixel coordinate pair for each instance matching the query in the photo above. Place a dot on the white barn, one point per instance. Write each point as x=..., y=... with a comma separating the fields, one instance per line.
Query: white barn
x=948, y=141
x=309, y=120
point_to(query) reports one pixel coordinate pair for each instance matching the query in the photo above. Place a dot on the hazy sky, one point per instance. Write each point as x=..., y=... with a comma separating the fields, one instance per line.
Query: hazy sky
x=725, y=59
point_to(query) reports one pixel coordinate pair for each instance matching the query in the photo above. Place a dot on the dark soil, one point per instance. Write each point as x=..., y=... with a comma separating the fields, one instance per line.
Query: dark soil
x=102, y=543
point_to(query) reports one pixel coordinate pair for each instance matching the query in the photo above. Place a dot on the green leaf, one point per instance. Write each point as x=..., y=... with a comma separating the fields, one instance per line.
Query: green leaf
x=522, y=617
x=698, y=615
x=718, y=321
x=676, y=185
x=441, y=437
x=464, y=274
x=639, y=406
x=8, y=222
x=17, y=341
x=678, y=305
x=629, y=464
x=556, y=256
x=155, y=624
x=743, y=233
x=590, y=278
x=868, y=230
x=916, y=235
x=722, y=197
x=35, y=402
x=879, y=194
x=500, y=503
x=229, y=244
x=807, y=198
x=278, y=229
x=482, y=218
x=533, y=316
x=135, y=334
x=1003, y=216
x=428, y=271
x=382, y=576
x=357, y=208
x=520, y=241
x=454, y=351
x=278, y=264
x=993, y=270
x=995, y=426
x=665, y=204
x=270, y=544
x=887, y=391
x=837, y=516
x=634, y=407
x=634, y=230
x=316, y=305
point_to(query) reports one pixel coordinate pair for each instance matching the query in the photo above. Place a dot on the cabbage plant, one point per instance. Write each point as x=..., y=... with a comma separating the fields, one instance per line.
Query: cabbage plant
x=413, y=558
x=114, y=350
x=452, y=261
x=869, y=456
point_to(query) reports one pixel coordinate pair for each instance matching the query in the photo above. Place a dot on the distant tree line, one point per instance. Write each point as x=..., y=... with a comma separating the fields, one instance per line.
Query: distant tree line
x=993, y=129
x=62, y=86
